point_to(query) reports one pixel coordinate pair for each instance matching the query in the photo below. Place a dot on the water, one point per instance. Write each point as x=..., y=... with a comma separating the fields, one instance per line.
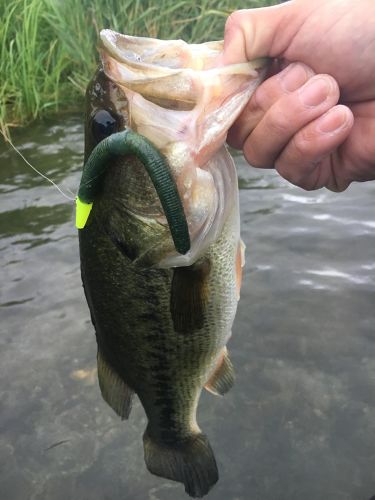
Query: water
x=300, y=421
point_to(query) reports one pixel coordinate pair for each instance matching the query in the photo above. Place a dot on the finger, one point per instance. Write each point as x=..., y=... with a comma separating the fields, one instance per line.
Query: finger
x=251, y=33
x=359, y=148
x=287, y=116
x=304, y=161
x=285, y=82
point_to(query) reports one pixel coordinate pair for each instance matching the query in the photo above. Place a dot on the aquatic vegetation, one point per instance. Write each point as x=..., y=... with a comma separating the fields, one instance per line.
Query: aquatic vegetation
x=48, y=47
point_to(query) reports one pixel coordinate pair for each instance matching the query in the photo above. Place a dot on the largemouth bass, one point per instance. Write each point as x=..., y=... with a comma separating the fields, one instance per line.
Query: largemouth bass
x=163, y=317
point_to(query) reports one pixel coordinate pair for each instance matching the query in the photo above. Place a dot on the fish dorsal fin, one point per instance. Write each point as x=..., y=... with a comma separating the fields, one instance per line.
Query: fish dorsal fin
x=189, y=296
x=114, y=390
x=222, y=379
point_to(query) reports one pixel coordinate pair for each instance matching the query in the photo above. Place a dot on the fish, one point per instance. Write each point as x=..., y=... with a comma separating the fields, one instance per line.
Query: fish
x=162, y=310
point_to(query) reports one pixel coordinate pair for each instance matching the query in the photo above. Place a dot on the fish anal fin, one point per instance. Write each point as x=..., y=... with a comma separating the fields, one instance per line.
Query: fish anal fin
x=190, y=462
x=222, y=378
x=189, y=296
x=114, y=390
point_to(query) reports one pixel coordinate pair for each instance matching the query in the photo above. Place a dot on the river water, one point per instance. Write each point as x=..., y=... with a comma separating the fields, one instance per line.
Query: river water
x=300, y=421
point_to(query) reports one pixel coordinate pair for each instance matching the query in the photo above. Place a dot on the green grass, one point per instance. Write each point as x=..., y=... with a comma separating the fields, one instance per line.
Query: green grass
x=48, y=47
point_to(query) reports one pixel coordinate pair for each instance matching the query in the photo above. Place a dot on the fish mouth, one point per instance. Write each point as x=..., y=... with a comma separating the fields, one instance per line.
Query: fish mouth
x=167, y=69
x=164, y=57
x=183, y=99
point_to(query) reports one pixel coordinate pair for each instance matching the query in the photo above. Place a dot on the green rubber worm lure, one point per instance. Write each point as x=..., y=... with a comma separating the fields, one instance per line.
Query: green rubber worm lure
x=124, y=143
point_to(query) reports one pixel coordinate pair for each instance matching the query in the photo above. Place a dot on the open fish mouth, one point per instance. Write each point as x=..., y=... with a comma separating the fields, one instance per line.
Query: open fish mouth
x=183, y=101
x=166, y=68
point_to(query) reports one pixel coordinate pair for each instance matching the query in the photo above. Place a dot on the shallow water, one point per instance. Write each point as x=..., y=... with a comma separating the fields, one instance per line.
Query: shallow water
x=300, y=421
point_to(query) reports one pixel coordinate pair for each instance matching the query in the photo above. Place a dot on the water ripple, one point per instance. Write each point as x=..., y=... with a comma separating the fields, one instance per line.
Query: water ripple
x=334, y=273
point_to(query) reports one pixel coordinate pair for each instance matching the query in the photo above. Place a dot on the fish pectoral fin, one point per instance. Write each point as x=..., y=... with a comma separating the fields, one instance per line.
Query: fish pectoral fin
x=222, y=379
x=114, y=390
x=190, y=462
x=189, y=296
x=144, y=241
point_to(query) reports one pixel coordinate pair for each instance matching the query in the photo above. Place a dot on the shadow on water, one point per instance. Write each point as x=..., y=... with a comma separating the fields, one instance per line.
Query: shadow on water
x=300, y=421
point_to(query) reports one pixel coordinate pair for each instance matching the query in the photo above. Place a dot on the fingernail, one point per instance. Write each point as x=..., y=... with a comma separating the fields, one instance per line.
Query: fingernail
x=334, y=120
x=315, y=91
x=293, y=76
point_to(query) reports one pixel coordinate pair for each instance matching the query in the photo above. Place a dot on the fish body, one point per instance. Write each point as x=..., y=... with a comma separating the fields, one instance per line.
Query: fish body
x=162, y=320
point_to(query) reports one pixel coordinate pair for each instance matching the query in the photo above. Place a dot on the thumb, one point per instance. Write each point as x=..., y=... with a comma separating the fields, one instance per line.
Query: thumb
x=253, y=33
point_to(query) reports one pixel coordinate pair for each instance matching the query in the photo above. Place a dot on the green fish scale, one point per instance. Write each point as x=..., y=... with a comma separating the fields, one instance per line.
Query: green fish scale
x=135, y=330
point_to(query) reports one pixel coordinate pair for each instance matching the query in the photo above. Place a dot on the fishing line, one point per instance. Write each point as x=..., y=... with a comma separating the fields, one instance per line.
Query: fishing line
x=40, y=173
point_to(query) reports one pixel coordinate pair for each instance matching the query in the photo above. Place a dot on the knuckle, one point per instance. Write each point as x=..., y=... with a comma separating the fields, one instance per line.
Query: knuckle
x=304, y=174
x=254, y=109
x=338, y=188
x=233, y=22
x=291, y=173
x=237, y=26
x=249, y=155
x=254, y=158
x=260, y=100
x=308, y=186
x=277, y=124
x=301, y=145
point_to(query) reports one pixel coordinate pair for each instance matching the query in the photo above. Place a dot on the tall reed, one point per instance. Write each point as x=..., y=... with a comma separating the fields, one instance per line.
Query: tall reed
x=48, y=47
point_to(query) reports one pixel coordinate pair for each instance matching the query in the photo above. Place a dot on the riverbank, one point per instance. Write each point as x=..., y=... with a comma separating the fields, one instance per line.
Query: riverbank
x=48, y=47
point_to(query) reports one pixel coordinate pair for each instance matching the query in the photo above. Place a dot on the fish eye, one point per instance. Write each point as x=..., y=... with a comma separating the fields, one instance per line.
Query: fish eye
x=103, y=124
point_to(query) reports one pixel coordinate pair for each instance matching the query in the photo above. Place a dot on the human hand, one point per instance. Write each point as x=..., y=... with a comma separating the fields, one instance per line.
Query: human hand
x=314, y=121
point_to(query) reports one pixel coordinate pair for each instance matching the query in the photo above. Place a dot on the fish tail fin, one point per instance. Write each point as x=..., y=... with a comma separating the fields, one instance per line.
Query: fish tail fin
x=191, y=462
